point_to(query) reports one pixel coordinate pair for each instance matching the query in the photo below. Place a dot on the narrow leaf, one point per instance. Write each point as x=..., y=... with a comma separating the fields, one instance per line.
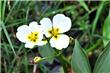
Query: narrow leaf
x=7, y=36
x=84, y=5
x=79, y=63
x=106, y=30
x=47, y=51
x=103, y=62
x=0, y=10
x=99, y=10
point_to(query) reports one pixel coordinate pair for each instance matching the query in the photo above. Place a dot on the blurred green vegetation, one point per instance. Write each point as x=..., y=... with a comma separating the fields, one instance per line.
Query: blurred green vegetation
x=87, y=26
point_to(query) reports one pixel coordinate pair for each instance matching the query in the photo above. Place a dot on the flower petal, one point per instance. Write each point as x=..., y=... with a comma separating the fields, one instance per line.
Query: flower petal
x=40, y=36
x=29, y=45
x=22, y=33
x=61, y=42
x=41, y=43
x=34, y=26
x=46, y=25
x=62, y=22
x=23, y=27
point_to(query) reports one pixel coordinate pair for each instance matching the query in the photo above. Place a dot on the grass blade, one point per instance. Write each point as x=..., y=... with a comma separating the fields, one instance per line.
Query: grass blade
x=3, y=11
x=8, y=38
x=15, y=3
x=84, y=5
x=97, y=16
x=106, y=29
x=0, y=10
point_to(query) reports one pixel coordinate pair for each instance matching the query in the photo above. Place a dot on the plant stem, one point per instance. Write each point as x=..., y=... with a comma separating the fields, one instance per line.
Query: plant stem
x=94, y=46
x=63, y=61
x=60, y=57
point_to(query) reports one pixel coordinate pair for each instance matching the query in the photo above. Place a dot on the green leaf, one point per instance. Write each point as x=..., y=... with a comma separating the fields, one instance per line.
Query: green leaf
x=106, y=30
x=3, y=10
x=99, y=10
x=11, y=11
x=79, y=63
x=7, y=36
x=103, y=62
x=48, y=52
x=84, y=5
x=0, y=10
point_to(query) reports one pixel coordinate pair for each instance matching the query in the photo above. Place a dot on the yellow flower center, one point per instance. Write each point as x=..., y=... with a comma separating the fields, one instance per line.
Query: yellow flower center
x=33, y=37
x=54, y=33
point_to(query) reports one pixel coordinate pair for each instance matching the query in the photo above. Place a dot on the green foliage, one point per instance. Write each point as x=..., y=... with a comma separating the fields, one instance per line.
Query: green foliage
x=79, y=60
x=99, y=10
x=7, y=35
x=84, y=5
x=106, y=30
x=87, y=26
x=48, y=52
x=103, y=62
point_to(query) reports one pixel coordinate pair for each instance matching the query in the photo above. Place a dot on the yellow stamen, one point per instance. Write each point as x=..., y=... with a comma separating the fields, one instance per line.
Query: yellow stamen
x=54, y=32
x=33, y=37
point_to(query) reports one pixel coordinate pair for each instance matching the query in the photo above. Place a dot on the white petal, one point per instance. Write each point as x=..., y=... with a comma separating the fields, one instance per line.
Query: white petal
x=34, y=26
x=62, y=22
x=40, y=36
x=22, y=28
x=29, y=45
x=41, y=43
x=61, y=42
x=22, y=33
x=46, y=25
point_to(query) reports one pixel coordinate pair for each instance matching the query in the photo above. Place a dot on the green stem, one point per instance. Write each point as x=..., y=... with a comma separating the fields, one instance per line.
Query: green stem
x=57, y=55
x=94, y=46
x=63, y=61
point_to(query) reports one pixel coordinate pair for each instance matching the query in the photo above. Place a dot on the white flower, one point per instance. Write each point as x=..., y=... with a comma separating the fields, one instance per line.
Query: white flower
x=55, y=30
x=30, y=35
